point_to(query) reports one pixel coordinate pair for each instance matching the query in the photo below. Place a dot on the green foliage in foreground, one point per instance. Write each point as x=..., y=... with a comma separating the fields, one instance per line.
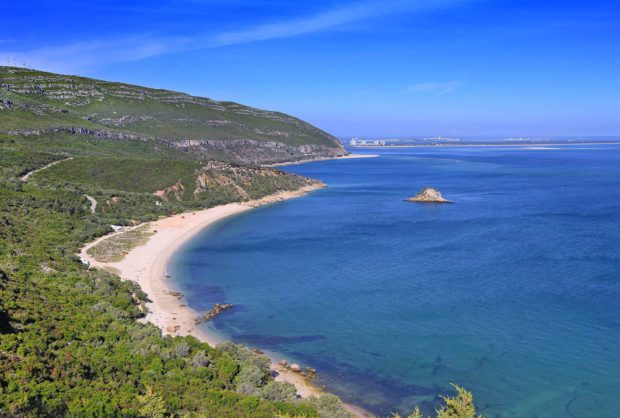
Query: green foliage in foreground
x=459, y=406
x=70, y=342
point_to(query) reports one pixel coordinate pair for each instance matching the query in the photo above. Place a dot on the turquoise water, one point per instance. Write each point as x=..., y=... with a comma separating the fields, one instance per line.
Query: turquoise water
x=513, y=291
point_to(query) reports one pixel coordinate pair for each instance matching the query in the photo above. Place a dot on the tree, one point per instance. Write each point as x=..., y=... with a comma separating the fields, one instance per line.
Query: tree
x=152, y=405
x=460, y=406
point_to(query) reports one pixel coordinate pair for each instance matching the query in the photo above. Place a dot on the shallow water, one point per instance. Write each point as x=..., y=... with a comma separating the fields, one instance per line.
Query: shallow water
x=513, y=291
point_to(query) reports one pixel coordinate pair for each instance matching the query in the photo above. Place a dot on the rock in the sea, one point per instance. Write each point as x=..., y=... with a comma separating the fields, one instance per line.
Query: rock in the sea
x=295, y=368
x=283, y=363
x=215, y=311
x=428, y=195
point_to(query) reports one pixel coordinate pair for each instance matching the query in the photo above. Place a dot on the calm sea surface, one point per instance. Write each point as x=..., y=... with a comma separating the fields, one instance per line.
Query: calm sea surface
x=513, y=291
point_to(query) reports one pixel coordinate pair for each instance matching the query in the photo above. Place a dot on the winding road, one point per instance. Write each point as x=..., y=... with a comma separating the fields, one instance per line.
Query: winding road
x=93, y=203
x=25, y=177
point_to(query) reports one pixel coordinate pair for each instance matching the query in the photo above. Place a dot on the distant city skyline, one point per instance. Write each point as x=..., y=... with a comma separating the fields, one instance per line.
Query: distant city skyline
x=353, y=68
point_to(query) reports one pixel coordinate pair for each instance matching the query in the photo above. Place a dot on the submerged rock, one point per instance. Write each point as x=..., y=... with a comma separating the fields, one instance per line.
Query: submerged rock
x=215, y=311
x=428, y=195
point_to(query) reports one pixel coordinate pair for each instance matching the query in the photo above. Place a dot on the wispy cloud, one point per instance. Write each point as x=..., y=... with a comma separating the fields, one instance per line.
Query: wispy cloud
x=82, y=55
x=436, y=88
x=87, y=54
x=329, y=19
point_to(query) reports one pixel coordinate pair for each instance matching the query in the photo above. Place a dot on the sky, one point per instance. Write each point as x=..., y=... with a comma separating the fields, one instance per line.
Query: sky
x=368, y=68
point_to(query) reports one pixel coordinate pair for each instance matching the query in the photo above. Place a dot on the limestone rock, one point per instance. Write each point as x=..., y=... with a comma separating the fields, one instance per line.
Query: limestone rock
x=428, y=195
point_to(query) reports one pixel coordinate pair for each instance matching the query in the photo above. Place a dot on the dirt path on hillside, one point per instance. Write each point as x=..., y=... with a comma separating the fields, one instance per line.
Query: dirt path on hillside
x=25, y=177
x=93, y=203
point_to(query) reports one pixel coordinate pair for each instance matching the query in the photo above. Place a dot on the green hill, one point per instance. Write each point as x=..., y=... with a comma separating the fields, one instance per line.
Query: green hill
x=70, y=344
x=35, y=103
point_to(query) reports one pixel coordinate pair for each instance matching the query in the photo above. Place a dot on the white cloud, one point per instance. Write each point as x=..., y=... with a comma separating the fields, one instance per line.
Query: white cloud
x=328, y=19
x=436, y=88
x=86, y=54
x=82, y=55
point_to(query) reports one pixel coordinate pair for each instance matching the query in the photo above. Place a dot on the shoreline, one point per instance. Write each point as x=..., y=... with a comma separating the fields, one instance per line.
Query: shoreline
x=312, y=160
x=457, y=145
x=147, y=265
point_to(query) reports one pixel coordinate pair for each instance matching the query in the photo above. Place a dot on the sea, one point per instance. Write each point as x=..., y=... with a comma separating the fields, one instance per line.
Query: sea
x=512, y=291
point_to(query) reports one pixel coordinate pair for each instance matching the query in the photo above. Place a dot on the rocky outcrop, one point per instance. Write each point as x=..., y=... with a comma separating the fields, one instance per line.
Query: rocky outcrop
x=308, y=372
x=244, y=182
x=175, y=191
x=5, y=104
x=257, y=152
x=428, y=195
x=76, y=130
x=215, y=311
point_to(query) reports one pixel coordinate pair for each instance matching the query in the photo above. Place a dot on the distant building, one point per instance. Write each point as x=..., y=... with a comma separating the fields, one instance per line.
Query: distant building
x=441, y=138
x=356, y=142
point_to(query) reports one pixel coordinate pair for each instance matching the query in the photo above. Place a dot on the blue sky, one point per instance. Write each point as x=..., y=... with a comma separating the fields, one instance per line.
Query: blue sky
x=353, y=68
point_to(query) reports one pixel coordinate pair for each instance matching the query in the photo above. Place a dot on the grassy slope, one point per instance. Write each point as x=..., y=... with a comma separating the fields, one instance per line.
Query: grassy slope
x=43, y=100
x=136, y=175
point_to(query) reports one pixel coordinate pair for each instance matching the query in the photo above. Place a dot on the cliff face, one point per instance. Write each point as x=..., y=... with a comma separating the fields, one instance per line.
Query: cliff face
x=38, y=103
x=252, y=151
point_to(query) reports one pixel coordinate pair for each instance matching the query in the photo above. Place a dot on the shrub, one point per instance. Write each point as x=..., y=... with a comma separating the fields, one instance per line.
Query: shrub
x=279, y=392
x=182, y=349
x=330, y=406
x=201, y=359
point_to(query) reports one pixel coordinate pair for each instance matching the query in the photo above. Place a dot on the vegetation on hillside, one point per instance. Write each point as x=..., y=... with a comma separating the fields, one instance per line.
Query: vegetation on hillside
x=35, y=103
x=114, y=248
x=70, y=344
x=459, y=406
x=69, y=340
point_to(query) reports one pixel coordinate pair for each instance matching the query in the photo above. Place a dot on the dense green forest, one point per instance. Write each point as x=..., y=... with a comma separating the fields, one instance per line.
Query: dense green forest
x=70, y=342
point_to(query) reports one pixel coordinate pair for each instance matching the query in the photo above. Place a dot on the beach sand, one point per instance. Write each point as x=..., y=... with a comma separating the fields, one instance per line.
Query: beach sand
x=312, y=160
x=147, y=265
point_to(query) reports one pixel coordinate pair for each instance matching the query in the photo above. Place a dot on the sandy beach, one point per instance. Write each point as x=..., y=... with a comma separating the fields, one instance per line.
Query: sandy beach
x=312, y=160
x=147, y=266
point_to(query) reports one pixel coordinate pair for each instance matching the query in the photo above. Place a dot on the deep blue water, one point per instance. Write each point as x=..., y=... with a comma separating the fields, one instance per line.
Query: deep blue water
x=513, y=291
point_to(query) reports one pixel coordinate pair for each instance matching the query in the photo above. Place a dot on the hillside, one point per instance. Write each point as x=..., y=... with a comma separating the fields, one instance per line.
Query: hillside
x=70, y=344
x=35, y=103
